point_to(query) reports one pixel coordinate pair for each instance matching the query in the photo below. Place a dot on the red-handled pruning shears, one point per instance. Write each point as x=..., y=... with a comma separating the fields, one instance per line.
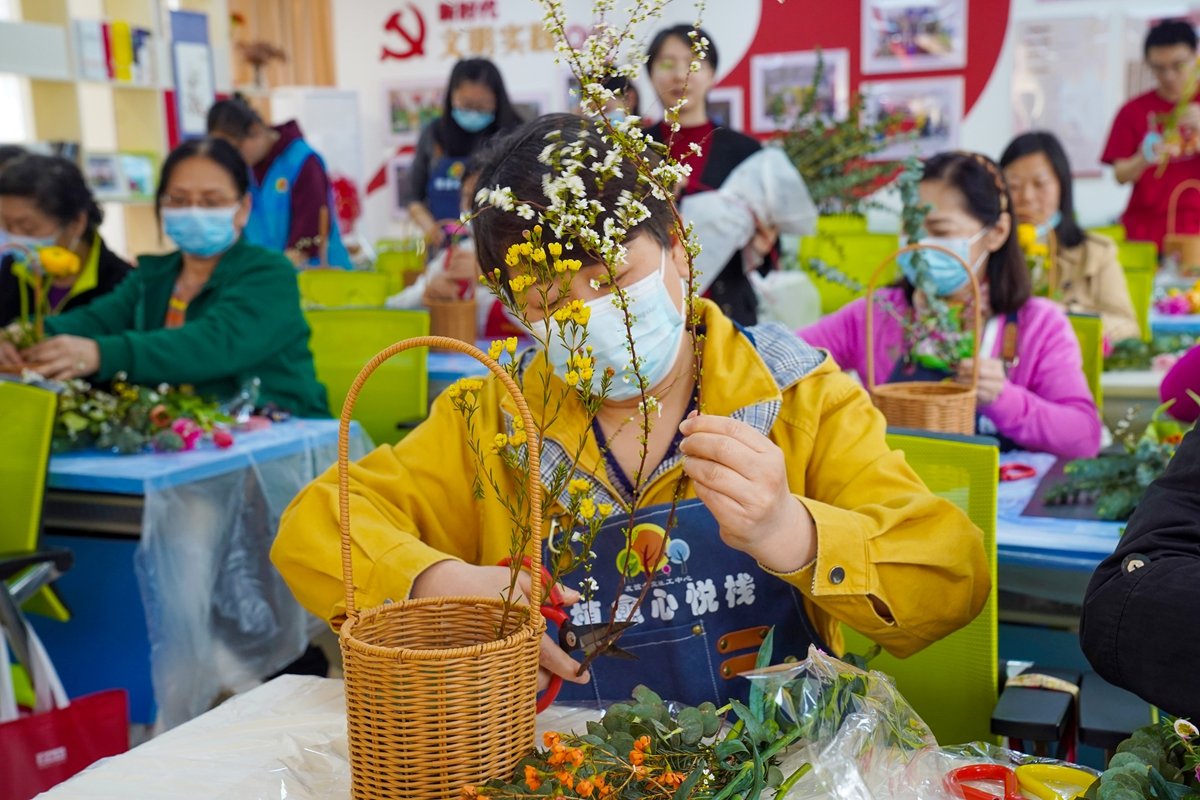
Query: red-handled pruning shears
x=1016, y=472
x=596, y=639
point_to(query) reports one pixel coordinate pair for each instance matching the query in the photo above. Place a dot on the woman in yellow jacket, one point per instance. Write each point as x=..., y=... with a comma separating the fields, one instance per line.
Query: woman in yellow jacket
x=796, y=513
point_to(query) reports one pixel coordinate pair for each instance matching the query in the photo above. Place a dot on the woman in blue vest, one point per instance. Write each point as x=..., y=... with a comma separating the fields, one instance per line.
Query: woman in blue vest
x=288, y=185
x=476, y=108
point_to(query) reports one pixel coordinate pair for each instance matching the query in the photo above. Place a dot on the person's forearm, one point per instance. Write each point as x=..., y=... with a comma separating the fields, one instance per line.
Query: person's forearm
x=1128, y=170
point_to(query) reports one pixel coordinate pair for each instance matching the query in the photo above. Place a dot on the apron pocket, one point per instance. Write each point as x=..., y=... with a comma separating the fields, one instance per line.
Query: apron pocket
x=676, y=662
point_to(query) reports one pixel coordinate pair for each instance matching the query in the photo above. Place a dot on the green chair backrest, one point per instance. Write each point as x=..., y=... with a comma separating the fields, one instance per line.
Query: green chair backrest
x=1114, y=232
x=26, y=425
x=1091, y=345
x=337, y=288
x=1141, y=293
x=396, y=396
x=855, y=255
x=838, y=224
x=952, y=683
x=1137, y=255
x=398, y=257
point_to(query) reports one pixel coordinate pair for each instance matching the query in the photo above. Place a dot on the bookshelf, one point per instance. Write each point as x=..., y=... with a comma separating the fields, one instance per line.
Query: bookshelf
x=49, y=46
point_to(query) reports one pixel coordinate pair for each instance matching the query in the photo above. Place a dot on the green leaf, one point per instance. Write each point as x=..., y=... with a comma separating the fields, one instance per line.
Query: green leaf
x=685, y=789
x=712, y=722
x=757, y=698
x=1164, y=790
x=646, y=696
x=774, y=777
x=754, y=726
x=691, y=724
x=726, y=750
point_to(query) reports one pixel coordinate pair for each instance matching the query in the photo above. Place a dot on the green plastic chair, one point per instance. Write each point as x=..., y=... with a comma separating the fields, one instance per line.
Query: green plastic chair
x=1090, y=333
x=396, y=397
x=337, y=288
x=398, y=259
x=1114, y=232
x=952, y=683
x=856, y=255
x=839, y=224
x=1141, y=293
x=1137, y=255
x=26, y=425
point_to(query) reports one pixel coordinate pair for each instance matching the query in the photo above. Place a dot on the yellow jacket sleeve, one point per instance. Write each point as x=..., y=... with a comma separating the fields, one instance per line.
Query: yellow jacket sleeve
x=411, y=506
x=895, y=562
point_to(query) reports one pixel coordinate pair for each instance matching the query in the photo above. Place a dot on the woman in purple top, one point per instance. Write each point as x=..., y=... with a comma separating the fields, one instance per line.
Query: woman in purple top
x=1032, y=396
x=1182, y=384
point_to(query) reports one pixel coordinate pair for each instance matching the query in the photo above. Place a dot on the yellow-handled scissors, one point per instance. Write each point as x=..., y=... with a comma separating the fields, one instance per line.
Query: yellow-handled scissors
x=1054, y=781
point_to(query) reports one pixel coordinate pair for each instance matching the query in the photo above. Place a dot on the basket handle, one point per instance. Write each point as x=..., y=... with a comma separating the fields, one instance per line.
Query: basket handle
x=873, y=284
x=1191, y=183
x=531, y=433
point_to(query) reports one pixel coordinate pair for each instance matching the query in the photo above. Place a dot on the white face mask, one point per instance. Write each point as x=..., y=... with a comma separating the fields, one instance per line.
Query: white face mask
x=658, y=328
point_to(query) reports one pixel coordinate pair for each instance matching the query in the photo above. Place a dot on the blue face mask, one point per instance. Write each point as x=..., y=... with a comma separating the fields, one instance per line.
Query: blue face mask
x=617, y=115
x=32, y=242
x=946, y=274
x=472, y=121
x=1044, y=229
x=201, y=232
x=657, y=330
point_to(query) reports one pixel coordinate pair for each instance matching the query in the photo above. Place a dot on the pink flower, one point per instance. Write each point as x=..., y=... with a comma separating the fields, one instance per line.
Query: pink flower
x=1163, y=362
x=1198, y=773
x=1174, y=304
x=222, y=438
x=188, y=431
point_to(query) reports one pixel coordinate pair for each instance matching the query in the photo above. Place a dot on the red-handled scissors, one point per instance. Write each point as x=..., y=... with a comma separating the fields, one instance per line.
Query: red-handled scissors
x=596, y=639
x=991, y=773
x=1044, y=781
x=1016, y=472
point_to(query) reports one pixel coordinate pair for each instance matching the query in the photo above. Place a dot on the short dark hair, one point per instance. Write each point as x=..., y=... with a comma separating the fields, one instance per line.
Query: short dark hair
x=55, y=185
x=1027, y=144
x=454, y=140
x=684, y=34
x=980, y=182
x=512, y=161
x=10, y=152
x=1168, y=33
x=219, y=151
x=233, y=117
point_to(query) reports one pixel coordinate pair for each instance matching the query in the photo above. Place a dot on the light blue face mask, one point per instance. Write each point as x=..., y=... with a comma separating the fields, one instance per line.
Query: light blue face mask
x=203, y=232
x=946, y=274
x=472, y=121
x=657, y=333
x=32, y=242
x=1044, y=229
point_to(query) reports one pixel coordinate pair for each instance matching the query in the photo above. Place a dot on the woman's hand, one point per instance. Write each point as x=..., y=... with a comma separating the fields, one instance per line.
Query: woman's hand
x=761, y=244
x=458, y=579
x=992, y=378
x=10, y=357
x=741, y=476
x=64, y=357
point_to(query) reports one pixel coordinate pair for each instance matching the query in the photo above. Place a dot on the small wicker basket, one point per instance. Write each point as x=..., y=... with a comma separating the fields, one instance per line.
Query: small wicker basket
x=945, y=406
x=435, y=699
x=1184, y=247
x=453, y=319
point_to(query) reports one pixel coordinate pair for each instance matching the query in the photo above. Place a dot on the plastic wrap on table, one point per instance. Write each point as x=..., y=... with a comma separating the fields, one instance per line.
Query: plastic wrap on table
x=219, y=616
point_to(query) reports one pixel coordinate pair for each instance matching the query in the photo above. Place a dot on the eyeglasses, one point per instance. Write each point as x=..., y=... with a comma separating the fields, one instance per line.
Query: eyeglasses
x=208, y=201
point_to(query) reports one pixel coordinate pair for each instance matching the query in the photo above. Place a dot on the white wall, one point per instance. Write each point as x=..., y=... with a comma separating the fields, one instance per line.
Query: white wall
x=989, y=126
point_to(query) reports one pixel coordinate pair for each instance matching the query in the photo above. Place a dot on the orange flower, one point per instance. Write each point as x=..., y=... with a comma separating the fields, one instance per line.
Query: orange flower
x=533, y=778
x=672, y=779
x=550, y=738
x=637, y=757
x=575, y=756
x=566, y=779
x=585, y=788
x=642, y=744
x=558, y=755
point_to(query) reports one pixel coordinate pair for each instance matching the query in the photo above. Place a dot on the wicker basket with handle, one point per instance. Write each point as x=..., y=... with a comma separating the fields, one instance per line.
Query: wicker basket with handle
x=943, y=406
x=435, y=698
x=1183, y=247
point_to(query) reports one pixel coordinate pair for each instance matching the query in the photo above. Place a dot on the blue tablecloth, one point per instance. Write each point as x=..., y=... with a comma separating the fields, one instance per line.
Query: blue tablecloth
x=1175, y=324
x=219, y=617
x=1047, y=542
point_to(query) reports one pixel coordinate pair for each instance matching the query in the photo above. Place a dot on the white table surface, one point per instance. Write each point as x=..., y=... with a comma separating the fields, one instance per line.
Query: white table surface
x=1142, y=384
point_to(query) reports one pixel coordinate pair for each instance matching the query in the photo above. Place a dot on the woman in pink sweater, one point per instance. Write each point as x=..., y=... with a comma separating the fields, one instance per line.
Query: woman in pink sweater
x=1182, y=384
x=1032, y=396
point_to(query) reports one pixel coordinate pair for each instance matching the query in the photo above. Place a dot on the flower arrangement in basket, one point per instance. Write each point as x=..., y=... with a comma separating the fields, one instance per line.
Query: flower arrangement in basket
x=441, y=691
x=35, y=272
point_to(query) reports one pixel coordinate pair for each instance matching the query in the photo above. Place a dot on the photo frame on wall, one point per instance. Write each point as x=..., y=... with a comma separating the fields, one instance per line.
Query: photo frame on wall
x=780, y=82
x=410, y=107
x=930, y=112
x=103, y=174
x=195, y=85
x=138, y=175
x=913, y=35
x=725, y=107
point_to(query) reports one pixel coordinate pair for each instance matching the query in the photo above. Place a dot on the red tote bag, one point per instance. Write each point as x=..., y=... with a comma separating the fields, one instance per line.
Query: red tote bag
x=59, y=738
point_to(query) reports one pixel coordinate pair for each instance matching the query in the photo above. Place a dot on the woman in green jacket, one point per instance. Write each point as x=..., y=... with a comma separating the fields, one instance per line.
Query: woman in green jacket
x=215, y=314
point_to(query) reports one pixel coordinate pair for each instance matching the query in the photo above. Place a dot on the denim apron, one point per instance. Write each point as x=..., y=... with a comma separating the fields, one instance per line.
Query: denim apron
x=271, y=213
x=906, y=372
x=702, y=623
x=443, y=192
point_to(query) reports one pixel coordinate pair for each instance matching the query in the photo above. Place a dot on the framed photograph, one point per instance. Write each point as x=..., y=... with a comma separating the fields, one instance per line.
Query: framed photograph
x=913, y=35
x=780, y=85
x=930, y=112
x=399, y=182
x=138, y=175
x=410, y=107
x=103, y=174
x=725, y=107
